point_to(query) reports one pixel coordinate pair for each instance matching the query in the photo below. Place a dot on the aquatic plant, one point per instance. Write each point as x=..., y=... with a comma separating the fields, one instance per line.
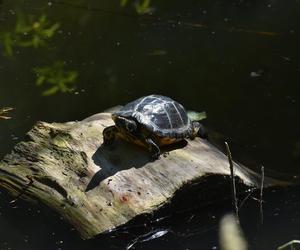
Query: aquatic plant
x=141, y=6
x=57, y=77
x=29, y=31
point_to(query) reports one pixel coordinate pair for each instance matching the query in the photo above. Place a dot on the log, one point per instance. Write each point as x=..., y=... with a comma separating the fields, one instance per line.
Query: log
x=97, y=188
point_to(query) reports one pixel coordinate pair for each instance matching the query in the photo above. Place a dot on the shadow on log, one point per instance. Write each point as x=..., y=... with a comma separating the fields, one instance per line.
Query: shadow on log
x=96, y=188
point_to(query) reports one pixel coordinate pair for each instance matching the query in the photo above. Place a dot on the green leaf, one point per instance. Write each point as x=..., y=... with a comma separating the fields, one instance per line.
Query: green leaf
x=21, y=25
x=51, y=91
x=142, y=8
x=8, y=43
x=37, y=41
x=25, y=44
x=51, y=31
x=196, y=116
x=123, y=3
x=30, y=31
x=40, y=80
x=43, y=19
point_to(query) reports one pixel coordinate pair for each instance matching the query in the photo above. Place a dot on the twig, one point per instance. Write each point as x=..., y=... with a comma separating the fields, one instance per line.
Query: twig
x=261, y=195
x=233, y=188
x=292, y=244
x=246, y=198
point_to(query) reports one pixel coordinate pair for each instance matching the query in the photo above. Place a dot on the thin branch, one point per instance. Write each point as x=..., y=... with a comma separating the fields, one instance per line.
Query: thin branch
x=261, y=195
x=246, y=198
x=233, y=188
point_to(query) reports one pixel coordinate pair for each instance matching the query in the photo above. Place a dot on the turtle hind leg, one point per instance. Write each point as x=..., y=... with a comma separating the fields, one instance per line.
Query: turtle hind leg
x=202, y=132
x=154, y=148
x=109, y=135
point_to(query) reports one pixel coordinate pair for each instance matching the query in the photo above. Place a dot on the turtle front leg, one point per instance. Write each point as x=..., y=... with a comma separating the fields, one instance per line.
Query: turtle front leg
x=202, y=133
x=154, y=148
x=109, y=134
x=198, y=131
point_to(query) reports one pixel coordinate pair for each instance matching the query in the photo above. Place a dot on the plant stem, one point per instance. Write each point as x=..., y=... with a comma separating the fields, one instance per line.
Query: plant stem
x=261, y=195
x=233, y=188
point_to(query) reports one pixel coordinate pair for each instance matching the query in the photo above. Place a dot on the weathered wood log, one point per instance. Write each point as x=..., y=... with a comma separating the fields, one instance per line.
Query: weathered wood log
x=96, y=188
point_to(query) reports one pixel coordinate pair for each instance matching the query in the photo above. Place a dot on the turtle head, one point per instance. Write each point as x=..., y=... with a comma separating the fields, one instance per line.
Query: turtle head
x=124, y=123
x=199, y=130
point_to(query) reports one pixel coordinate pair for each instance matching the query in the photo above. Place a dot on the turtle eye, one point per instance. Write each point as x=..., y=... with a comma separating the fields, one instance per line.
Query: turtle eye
x=130, y=126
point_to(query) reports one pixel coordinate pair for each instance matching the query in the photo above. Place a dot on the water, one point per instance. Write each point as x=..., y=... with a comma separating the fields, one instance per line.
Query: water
x=237, y=60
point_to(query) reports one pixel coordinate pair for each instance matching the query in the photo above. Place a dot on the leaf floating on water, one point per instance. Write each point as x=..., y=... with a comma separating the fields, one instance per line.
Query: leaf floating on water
x=5, y=117
x=147, y=237
x=131, y=244
x=4, y=111
x=194, y=25
x=196, y=116
x=257, y=32
x=155, y=235
x=228, y=29
x=158, y=52
x=257, y=73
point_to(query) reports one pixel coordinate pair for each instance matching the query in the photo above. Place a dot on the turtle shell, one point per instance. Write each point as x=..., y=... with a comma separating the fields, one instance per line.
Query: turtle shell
x=160, y=115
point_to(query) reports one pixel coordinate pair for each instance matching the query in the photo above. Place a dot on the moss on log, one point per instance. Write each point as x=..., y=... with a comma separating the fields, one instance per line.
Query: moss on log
x=95, y=188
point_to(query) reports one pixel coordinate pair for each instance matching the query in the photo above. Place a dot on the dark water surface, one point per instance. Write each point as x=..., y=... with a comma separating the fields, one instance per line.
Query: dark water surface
x=237, y=60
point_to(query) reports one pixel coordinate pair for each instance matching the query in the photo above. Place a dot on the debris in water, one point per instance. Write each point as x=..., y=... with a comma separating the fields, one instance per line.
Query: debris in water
x=257, y=73
x=147, y=237
x=4, y=111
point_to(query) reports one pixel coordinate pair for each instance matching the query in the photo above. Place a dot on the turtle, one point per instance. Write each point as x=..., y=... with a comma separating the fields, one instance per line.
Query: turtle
x=152, y=121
